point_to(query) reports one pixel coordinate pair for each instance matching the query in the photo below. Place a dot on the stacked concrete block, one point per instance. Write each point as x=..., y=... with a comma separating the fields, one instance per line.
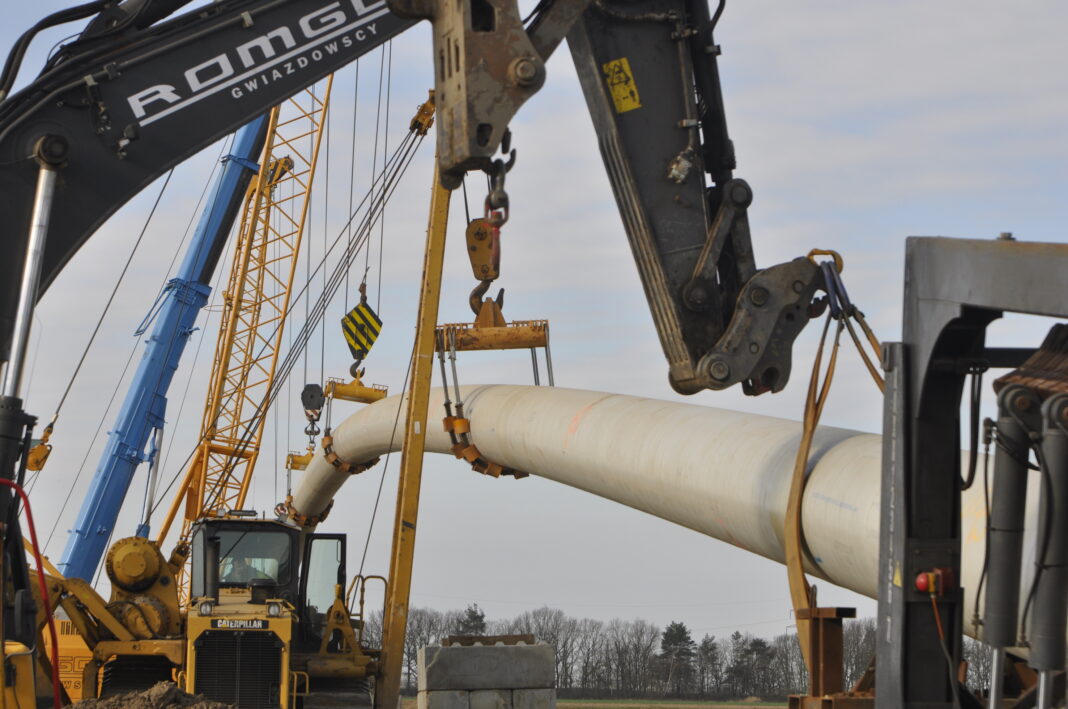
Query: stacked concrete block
x=487, y=677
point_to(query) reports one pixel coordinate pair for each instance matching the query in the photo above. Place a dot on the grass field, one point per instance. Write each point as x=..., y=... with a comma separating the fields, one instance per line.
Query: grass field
x=656, y=704
x=409, y=703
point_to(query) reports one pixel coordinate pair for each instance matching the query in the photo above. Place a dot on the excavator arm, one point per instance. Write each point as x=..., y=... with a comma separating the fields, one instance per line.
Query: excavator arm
x=134, y=96
x=649, y=74
x=648, y=71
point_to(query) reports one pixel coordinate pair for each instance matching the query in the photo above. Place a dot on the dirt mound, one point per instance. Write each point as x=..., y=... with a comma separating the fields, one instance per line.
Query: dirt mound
x=164, y=695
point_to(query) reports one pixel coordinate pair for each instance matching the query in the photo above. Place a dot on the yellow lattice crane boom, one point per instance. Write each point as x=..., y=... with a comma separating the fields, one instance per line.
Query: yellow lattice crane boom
x=255, y=304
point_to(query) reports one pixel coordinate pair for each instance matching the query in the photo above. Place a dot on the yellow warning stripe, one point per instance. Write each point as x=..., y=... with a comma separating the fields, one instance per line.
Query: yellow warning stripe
x=365, y=330
x=355, y=338
x=361, y=327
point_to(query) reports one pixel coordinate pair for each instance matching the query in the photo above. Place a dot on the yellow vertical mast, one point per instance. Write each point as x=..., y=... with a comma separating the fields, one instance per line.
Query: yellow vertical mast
x=387, y=686
x=254, y=309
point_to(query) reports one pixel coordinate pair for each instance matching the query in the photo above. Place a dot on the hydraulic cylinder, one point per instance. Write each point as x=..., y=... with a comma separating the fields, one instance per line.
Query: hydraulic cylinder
x=1018, y=411
x=1049, y=615
x=1018, y=408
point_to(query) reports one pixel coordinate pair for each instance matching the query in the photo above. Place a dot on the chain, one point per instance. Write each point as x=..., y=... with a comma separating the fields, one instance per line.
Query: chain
x=497, y=199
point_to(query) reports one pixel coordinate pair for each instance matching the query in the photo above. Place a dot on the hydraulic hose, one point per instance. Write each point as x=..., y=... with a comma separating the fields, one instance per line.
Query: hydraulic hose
x=18, y=52
x=56, y=696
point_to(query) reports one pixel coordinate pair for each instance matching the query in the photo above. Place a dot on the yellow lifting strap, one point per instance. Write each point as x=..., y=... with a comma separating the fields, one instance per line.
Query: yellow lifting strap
x=802, y=594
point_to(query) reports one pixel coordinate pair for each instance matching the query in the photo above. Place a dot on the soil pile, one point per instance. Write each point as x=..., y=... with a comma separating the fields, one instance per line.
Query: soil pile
x=164, y=695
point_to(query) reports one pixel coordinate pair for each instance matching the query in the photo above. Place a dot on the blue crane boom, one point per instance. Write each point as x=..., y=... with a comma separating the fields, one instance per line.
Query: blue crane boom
x=143, y=410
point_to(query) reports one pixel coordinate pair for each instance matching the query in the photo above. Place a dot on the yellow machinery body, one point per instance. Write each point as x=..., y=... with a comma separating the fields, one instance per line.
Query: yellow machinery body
x=240, y=637
x=355, y=391
x=282, y=633
x=19, y=661
x=289, y=638
x=136, y=635
x=73, y=655
x=245, y=643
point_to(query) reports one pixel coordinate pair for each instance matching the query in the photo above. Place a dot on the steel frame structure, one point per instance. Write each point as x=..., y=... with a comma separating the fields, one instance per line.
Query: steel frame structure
x=954, y=288
x=255, y=306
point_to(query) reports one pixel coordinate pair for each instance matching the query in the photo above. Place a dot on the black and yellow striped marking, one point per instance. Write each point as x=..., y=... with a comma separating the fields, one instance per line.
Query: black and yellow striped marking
x=361, y=327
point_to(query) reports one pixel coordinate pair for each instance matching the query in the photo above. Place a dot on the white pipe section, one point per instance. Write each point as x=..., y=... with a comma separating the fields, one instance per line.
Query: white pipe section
x=722, y=473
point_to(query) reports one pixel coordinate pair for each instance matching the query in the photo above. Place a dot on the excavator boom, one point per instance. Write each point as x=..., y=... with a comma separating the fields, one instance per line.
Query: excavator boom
x=134, y=100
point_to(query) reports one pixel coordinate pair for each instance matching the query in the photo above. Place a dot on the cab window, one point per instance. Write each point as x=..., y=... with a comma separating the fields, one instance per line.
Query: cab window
x=248, y=555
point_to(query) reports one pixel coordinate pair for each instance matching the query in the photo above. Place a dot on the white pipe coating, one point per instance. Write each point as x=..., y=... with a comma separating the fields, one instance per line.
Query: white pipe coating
x=722, y=473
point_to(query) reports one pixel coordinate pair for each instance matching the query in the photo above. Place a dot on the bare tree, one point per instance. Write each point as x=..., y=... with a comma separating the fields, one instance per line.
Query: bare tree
x=633, y=658
x=977, y=655
x=858, y=648
x=789, y=667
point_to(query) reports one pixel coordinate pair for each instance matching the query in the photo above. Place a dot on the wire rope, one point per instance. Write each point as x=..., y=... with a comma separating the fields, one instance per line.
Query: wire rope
x=467, y=207
x=133, y=351
x=385, y=143
x=196, y=357
x=320, y=308
x=378, y=123
x=352, y=169
x=36, y=353
x=85, y=352
x=326, y=242
x=223, y=149
x=111, y=298
x=89, y=450
x=385, y=464
x=400, y=162
x=307, y=246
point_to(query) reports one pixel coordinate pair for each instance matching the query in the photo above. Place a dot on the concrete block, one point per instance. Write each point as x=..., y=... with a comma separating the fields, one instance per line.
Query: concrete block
x=491, y=699
x=487, y=667
x=443, y=699
x=533, y=699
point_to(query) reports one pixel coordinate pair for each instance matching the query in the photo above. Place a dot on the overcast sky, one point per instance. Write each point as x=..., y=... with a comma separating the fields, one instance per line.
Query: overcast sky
x=856, y=124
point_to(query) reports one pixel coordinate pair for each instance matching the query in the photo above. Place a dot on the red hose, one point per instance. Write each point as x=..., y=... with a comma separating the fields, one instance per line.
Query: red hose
x=56, y=696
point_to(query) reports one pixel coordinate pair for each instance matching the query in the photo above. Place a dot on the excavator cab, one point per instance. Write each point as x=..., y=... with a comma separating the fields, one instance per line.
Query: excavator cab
x=235, y=555
x=267, y=622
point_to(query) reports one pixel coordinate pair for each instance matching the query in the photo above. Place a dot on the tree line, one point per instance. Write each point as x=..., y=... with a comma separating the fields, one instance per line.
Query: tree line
x=635, y=658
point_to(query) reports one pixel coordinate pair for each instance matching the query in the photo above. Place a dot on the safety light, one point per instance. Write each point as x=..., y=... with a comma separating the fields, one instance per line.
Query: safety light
x=206, y=607
x=274, y=609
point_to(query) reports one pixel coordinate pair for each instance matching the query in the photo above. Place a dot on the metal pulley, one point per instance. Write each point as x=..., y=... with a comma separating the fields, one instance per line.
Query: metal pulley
x=484, y=251
x=312, y=399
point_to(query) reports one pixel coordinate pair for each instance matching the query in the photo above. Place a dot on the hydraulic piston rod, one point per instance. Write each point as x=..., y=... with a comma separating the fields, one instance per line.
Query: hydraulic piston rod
x=50, y=152
x=15, y=425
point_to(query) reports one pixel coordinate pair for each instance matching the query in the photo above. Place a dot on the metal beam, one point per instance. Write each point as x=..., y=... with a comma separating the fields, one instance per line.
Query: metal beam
x=387, y=687
x=954, y=288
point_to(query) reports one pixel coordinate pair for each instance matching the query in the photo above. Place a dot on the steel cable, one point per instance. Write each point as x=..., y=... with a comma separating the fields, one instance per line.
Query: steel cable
x=394, y=169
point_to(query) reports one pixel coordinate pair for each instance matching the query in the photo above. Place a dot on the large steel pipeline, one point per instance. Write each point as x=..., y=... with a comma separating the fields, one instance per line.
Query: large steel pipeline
x=722, y=473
